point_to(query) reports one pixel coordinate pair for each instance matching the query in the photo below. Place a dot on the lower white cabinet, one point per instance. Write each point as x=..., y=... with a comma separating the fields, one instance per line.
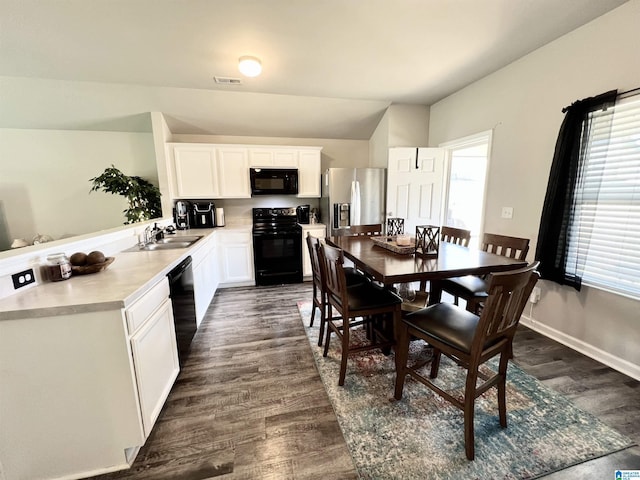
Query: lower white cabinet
x=235, y=250
x=206, y=277
x=155, y=359
x=80, y=391
x=316, y=230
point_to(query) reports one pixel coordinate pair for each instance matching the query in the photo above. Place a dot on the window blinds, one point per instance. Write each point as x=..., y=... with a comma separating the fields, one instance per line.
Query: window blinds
x=604, y=238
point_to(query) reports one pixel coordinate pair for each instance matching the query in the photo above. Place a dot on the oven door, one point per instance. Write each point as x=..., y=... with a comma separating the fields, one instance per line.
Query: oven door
x=277, y=258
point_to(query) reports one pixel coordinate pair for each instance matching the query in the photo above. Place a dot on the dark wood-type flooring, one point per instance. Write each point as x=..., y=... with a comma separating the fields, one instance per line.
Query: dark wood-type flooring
x=249, y=403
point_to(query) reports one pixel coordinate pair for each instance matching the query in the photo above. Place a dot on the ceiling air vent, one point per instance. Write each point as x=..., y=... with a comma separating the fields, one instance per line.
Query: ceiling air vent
x=228, y=80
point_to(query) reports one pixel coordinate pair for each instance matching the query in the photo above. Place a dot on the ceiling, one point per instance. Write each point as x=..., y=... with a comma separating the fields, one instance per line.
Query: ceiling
x=340, y=61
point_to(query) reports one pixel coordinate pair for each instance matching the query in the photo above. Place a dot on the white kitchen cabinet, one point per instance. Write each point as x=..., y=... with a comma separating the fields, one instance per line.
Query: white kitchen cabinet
x=272, y=157
x=201, y=170
x=155, y=357
x=233, y=166
x=316, y=230
x=205, y=276
x=309, y=175
x=88, y=400
x=235, y=247
x=194, y=169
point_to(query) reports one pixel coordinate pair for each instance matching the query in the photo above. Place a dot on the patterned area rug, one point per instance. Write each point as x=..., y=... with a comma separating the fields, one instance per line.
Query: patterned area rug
x=421, y=436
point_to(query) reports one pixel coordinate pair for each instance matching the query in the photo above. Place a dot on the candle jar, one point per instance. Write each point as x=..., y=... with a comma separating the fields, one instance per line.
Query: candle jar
x=58, y=267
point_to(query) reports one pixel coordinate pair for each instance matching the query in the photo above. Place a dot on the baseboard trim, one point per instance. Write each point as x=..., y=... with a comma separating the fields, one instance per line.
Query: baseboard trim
x=619, y=364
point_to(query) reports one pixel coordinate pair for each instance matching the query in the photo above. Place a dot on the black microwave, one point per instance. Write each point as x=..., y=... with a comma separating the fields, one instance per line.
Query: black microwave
x=274, y=181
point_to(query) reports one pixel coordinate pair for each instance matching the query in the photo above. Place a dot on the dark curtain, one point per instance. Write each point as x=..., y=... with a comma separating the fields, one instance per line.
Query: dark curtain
x=558, y=209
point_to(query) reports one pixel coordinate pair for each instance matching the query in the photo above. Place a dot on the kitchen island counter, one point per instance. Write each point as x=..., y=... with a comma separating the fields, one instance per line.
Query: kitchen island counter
x=120, y=285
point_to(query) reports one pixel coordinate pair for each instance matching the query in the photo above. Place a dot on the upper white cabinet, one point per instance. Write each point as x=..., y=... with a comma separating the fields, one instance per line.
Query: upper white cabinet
x=201, y=170
x=195, y=171
x=233, y=165
x=273, y=157
x=309, y=176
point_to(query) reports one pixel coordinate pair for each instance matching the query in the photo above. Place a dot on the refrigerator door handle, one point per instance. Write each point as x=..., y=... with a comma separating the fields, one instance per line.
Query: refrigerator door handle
x=355, y=203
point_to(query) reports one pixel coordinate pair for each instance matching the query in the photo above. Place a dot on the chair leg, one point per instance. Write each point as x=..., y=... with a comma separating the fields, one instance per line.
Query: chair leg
x=435, y=363
x=502, y=388
x=469, y=407
x=345, y=351
x=313, y=305
x=326, y=342
x=323, y=321
x=402, y=353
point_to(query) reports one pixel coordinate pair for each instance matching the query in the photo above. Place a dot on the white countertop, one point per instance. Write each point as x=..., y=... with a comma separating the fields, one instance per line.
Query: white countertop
x=121, y=284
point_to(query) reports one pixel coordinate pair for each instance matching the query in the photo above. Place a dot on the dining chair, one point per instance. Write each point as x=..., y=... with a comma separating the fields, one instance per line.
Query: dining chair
x=352, y=277
x=470, y=340
x=459, y=236
x=473, y=289
x=376, y=309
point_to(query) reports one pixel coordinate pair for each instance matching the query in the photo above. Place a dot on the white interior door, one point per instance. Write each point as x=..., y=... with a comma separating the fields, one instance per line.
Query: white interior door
x=414, y=186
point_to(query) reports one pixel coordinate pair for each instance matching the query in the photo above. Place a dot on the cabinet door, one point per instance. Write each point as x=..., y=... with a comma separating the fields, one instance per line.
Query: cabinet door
x=195, y=171
x=236, y=257
x=205, y=279
x=233, y=164
x=319, y=232
x=414, y=185
x=273, y=157
x=155, y=357
x=309, y=173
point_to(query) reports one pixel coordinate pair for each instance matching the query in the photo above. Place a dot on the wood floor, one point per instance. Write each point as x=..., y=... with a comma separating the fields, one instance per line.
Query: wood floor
x=249, y=403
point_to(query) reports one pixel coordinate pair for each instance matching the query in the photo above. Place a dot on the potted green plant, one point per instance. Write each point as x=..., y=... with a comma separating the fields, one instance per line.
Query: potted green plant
x=142, y=196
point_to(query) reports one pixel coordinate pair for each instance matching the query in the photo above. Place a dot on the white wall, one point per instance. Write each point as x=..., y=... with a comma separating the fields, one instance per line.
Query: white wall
x=408, y=125
x=44, y=180
x=402, y=125
x=522, y=103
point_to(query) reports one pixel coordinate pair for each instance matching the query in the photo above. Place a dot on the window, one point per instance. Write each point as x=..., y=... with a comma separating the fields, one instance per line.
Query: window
x=468, y=160
x=604, y=238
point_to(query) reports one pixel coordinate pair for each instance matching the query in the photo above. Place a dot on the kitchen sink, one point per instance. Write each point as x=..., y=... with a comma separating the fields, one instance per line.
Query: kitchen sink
x=167, y=243
x=184, y=238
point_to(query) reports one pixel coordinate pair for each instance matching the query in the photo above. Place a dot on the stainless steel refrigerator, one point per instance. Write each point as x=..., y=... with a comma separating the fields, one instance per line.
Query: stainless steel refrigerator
x=353, y=196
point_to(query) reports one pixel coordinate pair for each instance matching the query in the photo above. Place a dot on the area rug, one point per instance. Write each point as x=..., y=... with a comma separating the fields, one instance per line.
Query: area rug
x=421, y=436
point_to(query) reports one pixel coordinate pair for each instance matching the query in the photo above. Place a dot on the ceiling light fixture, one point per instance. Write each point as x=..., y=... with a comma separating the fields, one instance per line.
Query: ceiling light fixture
x=250, y=66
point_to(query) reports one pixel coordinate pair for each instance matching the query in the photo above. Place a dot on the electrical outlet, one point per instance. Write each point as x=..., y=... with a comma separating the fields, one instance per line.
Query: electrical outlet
x=22, y=279
x=507, y=212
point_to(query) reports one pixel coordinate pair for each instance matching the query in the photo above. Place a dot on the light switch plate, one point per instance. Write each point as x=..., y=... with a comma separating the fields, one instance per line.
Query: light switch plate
x=507, y=212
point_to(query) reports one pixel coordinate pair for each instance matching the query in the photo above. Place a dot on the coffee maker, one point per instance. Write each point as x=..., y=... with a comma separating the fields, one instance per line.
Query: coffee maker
x=181, y=214
x=203, y=214
x=302, y=213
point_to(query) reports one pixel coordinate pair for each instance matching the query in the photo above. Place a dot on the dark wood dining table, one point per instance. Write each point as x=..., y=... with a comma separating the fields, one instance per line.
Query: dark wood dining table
x=390, y=268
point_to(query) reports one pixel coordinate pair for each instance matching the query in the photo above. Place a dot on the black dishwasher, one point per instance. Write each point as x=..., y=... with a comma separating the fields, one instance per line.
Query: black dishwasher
x=184, y=307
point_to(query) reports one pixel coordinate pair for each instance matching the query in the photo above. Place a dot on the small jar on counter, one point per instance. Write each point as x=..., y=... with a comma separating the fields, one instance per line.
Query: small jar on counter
x=58, y=267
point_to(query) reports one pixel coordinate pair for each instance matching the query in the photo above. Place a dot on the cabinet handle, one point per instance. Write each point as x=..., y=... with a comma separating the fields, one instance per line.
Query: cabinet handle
x=417, y=151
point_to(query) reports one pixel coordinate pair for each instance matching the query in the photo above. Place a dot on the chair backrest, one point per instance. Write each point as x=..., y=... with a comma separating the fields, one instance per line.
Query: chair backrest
x=331, y=263
x=508, y=295
x=368, y=230
x=459, y=236
x=512, y=247
x=313, y=244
